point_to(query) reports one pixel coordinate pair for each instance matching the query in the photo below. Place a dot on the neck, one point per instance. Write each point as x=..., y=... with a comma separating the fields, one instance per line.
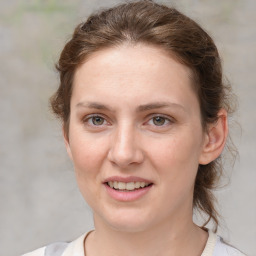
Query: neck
x=169, y=238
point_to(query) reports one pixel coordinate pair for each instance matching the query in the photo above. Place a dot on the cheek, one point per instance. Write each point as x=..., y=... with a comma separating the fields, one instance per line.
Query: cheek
x=87, y=150
x=177, y=159
x=177, y=150
x=88, y=157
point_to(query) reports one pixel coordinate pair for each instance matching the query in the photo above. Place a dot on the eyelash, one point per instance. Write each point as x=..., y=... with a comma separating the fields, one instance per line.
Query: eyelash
x=86, y=120
x=169, y=120
x=166, y=120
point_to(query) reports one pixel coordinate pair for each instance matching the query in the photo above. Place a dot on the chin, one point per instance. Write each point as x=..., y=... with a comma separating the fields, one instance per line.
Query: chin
x=128, y=221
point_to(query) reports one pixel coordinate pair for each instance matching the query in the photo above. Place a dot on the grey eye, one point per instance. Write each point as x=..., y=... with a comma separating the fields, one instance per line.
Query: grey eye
x=158, y=120
x=97, y=120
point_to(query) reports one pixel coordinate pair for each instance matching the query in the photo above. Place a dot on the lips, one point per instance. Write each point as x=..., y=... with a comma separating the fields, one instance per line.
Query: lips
x=127, y=188
x=118, y=185
x=127, y=183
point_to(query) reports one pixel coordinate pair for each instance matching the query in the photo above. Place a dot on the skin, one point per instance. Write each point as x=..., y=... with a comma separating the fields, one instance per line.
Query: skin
x=127, y=142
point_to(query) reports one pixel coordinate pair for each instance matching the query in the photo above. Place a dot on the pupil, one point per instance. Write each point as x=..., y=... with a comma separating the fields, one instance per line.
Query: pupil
x=158, y=120
x=97, y=120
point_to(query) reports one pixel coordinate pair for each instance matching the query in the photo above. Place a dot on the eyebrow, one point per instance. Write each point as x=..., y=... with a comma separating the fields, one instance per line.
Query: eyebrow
x=94, y=105
x=141, y=108
x=157, y=105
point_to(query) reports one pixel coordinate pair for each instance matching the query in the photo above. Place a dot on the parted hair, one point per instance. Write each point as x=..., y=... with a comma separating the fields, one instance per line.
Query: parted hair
x=150, y=23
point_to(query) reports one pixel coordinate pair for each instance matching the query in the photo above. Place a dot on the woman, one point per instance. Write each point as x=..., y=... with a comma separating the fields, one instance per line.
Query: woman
x=144, y=114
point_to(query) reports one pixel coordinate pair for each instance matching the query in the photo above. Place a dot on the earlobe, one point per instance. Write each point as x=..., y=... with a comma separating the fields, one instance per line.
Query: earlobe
x=66, y=141
x=215, y=139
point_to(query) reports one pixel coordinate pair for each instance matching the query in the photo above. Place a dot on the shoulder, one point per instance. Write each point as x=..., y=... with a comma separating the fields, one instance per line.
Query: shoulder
x=38, y=252
x=75, y=247
x=215, y=246
x=223, y=249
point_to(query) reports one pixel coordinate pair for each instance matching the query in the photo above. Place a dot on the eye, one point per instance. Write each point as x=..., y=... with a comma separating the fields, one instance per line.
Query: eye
x=95, y=120
x=159, y=121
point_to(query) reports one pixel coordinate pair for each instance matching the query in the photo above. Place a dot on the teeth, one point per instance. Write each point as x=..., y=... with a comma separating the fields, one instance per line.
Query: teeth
x=121, y=185
x=111, y=184
x=137, y=184
x=127, y=186
x=115, y=184
x=130, y=186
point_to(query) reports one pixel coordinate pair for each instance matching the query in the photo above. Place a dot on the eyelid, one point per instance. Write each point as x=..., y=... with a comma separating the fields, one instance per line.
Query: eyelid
x=149, y=118
x=166, y=117
x=87, y=117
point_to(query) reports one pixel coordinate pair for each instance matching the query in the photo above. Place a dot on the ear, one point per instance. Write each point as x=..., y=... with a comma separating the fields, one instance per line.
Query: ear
x=66, y=141
x=215, y=139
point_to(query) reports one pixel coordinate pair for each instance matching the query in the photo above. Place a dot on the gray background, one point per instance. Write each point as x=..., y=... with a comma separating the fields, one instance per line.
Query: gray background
x=40, y=202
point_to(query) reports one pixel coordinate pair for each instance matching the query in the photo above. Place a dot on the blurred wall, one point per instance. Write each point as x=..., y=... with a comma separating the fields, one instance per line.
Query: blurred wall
x=40, y=202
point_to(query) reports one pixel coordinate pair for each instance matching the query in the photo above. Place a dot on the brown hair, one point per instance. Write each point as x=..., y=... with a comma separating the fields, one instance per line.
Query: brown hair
x=151, y=23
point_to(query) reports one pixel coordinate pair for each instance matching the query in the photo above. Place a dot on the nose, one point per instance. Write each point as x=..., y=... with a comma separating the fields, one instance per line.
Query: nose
x=124, y=150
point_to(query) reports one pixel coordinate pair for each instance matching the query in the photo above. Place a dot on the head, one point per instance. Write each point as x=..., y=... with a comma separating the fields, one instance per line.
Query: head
x=145, y=23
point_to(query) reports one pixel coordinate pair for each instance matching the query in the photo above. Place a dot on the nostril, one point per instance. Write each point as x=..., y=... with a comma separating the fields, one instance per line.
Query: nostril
x=123, y=157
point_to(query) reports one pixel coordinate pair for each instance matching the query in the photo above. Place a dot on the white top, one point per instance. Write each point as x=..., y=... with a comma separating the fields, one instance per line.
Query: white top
x=214, y=247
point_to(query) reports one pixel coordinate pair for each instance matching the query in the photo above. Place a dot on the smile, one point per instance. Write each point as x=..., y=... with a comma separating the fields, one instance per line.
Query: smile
x=127, y=189
x=130, y=186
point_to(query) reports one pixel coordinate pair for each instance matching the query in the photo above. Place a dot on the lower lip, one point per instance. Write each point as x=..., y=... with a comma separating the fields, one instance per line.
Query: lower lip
x=126, y=196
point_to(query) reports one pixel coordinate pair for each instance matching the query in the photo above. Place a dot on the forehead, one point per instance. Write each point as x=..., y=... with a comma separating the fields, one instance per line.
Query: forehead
x=143, y=55
x=134, y=71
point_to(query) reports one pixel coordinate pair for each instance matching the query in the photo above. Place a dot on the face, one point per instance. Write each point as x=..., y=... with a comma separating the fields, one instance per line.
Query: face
x=135, y=137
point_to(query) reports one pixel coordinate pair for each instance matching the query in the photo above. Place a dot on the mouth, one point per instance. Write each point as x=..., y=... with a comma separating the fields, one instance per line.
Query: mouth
x=128, y=186
x=128, y=189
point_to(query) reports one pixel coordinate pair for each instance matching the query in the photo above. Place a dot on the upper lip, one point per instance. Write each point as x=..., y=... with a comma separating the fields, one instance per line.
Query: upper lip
x=127, y=179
